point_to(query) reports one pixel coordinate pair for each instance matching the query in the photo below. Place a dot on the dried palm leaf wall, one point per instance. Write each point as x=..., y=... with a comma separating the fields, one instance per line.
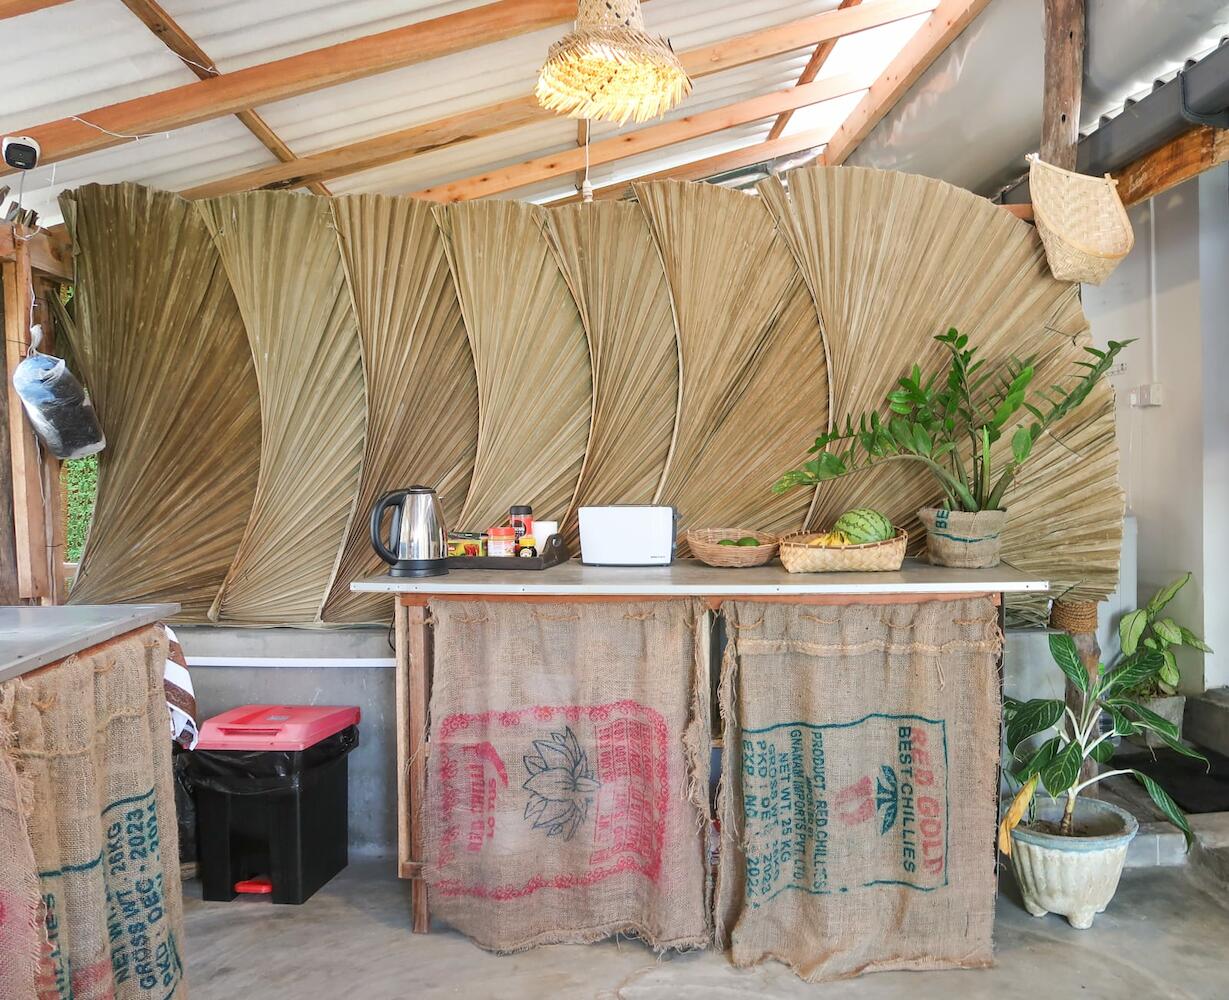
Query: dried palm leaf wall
x=163, y=350
x=685, y=349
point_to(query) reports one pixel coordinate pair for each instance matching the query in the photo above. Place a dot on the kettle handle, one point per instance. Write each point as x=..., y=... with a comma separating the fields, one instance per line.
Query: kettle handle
x=390, y=499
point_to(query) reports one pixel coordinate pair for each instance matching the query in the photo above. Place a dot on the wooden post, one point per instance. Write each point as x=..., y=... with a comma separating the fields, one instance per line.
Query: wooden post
x=55, y=514
x=1064, y=77
x=418, y=646
x=9, y=591
x=29, y=517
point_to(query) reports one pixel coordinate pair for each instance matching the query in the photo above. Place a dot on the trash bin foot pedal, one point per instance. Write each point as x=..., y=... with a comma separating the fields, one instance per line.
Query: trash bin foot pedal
x=259, y=886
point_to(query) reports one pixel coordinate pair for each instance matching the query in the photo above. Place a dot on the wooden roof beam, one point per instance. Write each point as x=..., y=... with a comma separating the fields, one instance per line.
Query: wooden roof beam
x=810, y=71
x=939, y=30
x=645, y=140
x=241, y=89
x=157, y=20
x=520, y=111
x=14, y=8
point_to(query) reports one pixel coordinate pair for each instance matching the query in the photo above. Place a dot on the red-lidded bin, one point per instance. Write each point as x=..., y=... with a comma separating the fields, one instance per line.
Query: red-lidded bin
x=272, y=786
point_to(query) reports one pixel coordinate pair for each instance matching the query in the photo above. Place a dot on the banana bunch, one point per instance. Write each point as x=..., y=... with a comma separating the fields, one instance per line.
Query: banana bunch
x=830, y=540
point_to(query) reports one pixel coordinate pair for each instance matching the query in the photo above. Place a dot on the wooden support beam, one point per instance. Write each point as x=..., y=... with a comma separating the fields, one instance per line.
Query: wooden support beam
x=1198, y=149
x=13, y=8
x=157, y=20
x=943, y=26
x=810, y=71
x=298, y=74
x=49, y=252
x=29, y=517
x=54, y=514
x=517, y=112
x=644, y=141
x=1064, y=79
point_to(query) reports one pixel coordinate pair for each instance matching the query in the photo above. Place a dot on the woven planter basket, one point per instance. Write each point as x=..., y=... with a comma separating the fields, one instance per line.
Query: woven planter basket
x=1081, y=220
x=799, y=557
x=703, y=543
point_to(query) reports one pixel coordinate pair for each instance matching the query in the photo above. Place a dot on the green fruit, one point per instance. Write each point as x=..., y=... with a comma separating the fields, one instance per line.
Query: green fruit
x=864, y=525
x=748, y=540
x=727, y=541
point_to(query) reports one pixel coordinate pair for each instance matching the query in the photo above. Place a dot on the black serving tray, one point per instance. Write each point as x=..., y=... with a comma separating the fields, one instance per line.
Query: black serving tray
x=553, y=552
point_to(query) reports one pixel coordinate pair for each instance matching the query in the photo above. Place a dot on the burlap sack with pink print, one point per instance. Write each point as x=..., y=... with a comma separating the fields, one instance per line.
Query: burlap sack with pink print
x=568, y=774
x=859, y=794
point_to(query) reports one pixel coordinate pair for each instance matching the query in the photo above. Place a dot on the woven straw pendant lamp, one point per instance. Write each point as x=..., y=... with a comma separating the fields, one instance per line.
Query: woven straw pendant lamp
x=608, y=68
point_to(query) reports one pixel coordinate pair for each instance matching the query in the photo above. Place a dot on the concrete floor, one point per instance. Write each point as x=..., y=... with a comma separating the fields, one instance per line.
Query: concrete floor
x=1164, y=935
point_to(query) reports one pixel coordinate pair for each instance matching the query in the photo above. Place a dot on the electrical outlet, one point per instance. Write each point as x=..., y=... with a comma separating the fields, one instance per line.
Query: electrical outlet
x=1147, y=395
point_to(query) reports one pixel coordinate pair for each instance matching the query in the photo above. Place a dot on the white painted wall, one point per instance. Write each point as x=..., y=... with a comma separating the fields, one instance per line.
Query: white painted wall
x=1172, y=295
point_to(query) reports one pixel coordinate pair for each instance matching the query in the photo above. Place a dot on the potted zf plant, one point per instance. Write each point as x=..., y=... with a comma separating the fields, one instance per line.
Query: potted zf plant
x=1145, y=627
x=1068, y=856
x=950, y=422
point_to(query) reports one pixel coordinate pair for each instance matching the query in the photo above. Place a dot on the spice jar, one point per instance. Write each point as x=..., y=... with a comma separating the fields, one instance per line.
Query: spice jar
x=528, y=547
x=521, y=519
x=501, y=542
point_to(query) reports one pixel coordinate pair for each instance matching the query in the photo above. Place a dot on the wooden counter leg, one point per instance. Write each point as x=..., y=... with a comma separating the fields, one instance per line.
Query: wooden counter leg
x=418, y=648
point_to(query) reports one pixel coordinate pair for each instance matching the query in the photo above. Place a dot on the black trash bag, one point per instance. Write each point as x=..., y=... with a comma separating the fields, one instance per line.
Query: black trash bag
x=58, y=406
x=185, y=804
x=258, y=772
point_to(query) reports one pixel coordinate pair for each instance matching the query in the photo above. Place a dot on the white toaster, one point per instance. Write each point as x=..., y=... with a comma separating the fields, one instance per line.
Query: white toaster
x=627, y=535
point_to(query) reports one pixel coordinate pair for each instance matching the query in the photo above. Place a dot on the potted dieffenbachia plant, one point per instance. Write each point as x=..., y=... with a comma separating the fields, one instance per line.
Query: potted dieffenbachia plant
x=1147, y=628
x=1068, y=857
x=950, y=422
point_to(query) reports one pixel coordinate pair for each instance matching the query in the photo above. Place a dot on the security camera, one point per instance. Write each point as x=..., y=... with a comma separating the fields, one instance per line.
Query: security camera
x=21, y=152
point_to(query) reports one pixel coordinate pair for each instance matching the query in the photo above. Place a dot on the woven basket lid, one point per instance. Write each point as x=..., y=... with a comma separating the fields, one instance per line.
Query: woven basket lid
x=608, y=68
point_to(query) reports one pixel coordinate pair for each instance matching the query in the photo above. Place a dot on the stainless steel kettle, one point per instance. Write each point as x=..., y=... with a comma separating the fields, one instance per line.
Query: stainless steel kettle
x=417, y=541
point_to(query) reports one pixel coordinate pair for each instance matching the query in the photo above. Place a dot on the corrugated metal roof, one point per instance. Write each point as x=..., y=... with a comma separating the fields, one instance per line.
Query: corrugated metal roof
x=89, y=53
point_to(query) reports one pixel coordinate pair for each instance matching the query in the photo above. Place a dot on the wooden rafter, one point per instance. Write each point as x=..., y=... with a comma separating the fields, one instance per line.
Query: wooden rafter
x=809, y=72
x=520, y=111
x=1190, y=154
x=161, y=23
x=12, y=8
x=939, y=30
x=298, y=74
x=645, y=140
x=48, y=251
x=710, y=166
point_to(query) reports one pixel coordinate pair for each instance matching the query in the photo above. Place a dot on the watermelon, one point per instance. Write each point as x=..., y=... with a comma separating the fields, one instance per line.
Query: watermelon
x=864, y=525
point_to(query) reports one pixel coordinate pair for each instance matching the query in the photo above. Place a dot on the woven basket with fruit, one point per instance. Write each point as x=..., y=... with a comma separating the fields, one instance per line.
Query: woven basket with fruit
x=861, y=540
x=731, y=547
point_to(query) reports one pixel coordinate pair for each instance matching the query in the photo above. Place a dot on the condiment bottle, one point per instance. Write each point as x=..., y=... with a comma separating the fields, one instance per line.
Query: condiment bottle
x=529, y=547
x=501, y=542
x=521, y=518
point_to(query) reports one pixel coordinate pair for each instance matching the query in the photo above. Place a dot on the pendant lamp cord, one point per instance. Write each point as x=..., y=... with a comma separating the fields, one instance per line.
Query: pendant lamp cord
x=586, y=188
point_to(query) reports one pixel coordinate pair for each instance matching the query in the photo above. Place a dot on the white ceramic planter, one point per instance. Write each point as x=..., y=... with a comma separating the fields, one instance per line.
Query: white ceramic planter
x=1074, y=876
x=1170, y=708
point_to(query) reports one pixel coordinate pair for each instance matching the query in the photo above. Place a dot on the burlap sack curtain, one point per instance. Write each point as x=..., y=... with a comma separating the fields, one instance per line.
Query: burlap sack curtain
x=90, y=743
x=161, y=346
x=612, y=267
x=892, y=259
x=282, y=258
x=857, y=819
x=422, y=399
x=752, y=375
x=568, y=776
x=534, y=378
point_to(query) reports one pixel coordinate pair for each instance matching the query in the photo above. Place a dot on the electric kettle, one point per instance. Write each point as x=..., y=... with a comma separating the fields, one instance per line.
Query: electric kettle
x=417, y=541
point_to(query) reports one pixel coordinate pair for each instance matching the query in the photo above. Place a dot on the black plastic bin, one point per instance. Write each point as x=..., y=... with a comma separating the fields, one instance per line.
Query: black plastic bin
x=278, y=814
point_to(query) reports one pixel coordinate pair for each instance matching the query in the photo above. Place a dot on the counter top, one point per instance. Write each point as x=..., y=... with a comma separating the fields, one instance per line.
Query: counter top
x=32, y=637
x=689, y=578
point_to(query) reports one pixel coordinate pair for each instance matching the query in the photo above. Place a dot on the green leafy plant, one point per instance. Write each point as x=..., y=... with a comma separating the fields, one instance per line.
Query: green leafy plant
x=1145, y=628
x=950, y=423
x=1056, y=765
x=80, y=481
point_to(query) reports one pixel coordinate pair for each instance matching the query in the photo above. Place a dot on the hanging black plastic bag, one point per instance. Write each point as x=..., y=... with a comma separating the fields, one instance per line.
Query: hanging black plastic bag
x=58, y=406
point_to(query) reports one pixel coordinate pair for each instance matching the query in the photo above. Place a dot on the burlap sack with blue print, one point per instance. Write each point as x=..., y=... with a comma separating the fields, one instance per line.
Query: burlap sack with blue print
x=858, y=802
x=568, y=773
x=90, y=739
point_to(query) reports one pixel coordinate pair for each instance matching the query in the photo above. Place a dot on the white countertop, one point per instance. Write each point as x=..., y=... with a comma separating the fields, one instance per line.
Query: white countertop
x=688, y=577
x=32, y=637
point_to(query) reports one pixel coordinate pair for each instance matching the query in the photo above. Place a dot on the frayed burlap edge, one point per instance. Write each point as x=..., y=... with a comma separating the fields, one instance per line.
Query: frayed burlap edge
x=27, y=964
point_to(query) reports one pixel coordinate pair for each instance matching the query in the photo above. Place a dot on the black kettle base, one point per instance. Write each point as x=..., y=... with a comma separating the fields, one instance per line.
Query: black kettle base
x=418, y=567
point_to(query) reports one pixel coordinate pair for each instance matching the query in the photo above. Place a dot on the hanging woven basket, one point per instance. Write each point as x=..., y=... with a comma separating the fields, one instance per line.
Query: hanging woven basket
x=609, y=68
x=1081, y=220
